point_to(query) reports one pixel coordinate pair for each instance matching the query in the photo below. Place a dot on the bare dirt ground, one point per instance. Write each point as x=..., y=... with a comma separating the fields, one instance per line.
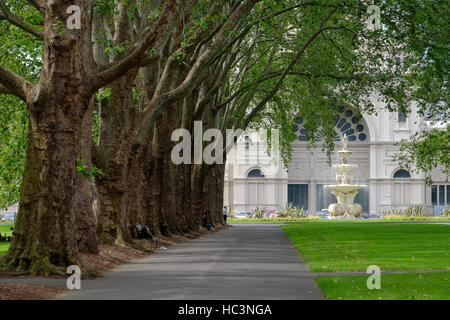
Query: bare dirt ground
x=109, y=257
x=20, y=291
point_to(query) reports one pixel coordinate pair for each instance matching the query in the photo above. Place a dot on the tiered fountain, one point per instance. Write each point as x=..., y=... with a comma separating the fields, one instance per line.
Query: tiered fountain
x=344, y=190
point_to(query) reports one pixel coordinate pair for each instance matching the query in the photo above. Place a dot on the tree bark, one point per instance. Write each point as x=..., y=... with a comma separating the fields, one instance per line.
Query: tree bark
x=47, y=232
x=197, y=184
x=51, y=228
x=84, y=197
x=116, y=118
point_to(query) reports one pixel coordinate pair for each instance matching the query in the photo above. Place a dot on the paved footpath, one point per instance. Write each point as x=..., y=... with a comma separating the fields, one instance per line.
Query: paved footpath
x=242, y=262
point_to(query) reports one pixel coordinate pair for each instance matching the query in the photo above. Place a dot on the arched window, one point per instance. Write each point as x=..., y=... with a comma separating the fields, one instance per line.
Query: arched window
x=347, y=122
x=402, y=174
x=401, y=116
x=255, y=173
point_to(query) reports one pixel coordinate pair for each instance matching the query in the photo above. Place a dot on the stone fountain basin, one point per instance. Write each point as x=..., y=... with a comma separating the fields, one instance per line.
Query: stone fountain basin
x=345, y=188
x=345, y=166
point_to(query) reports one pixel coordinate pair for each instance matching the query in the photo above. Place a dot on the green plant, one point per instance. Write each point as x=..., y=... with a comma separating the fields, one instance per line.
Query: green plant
x=289, y=211
x=258, y=213
x=415, y=211
x=276, y=220
x=392, y=212
x=298, y=213
x=445, y=212
x=89, y=173
x=284, y=211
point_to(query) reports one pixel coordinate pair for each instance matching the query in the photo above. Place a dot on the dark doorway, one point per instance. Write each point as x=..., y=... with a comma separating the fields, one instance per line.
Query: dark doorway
x=298, y=195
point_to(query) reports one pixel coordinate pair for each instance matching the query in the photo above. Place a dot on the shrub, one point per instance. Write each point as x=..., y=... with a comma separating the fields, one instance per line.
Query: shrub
x=445, y=212
x=415, y=211
x=297, y=213
x=410, y=211
x=392, y=212
x=258, y=213
x=290, y=211
x=284, y=211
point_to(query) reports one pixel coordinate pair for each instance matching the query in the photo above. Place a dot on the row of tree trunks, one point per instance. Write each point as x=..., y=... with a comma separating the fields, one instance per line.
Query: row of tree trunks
x=56, y=221
x=147, y=187
x=144, y=185
x=138, y=187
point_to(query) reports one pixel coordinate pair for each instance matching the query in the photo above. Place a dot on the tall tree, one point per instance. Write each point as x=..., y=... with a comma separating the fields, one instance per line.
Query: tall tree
x=52, y=227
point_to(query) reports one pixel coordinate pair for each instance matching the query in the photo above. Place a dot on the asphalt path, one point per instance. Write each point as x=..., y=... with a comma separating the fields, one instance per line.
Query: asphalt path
x=254, y=261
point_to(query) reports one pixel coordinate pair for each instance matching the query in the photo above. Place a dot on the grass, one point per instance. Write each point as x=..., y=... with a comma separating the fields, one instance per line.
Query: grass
x=4, y=246
x=328, y=246
x=353, y=246
x=405, y=218
x=409, y=286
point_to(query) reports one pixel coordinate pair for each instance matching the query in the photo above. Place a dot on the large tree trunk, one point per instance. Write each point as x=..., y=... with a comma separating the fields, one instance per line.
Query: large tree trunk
x=84, y=197
x=218, y=193
x=137, y=192
x=197, y=185
x=170, y=198
x=157, y=178
x=116, y=116
x=51, y=230
x=213, y=192
x=46, y=234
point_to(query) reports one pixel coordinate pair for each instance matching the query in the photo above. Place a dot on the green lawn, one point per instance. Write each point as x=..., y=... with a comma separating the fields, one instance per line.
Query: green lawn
x=410, y=286
x=4, y=246
x=353, y=246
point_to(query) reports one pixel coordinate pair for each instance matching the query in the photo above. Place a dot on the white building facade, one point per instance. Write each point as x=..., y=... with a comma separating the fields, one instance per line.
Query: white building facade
x=250, y=182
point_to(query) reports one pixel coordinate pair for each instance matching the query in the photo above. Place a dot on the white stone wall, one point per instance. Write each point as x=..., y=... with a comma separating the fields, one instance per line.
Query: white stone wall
x=376, y=169
x=13, y=208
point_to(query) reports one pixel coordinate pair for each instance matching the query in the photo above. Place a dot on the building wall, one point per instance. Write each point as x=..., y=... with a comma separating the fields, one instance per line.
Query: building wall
x=373, y=155
x=13, y=208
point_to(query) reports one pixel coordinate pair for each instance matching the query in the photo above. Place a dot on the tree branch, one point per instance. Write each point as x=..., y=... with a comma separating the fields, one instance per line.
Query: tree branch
x=4, y=90
x=13, y=83
x=274, y=14
x=286, y=71
x=119, y=68
x=35, y=3
x=18, y=22
x=159, y=103
x=274, y=74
